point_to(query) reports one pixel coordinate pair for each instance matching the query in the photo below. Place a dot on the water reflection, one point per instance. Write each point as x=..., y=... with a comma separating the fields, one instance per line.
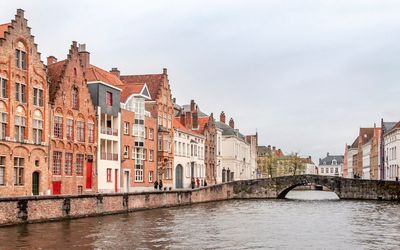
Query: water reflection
x=304, y=221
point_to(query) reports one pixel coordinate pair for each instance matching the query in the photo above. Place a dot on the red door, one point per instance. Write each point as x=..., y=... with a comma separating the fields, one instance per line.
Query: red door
x=116, y=180
x=56, y=187
x=89, y=175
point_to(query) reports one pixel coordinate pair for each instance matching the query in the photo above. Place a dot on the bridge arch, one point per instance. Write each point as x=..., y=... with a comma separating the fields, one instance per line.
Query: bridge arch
x=288, y=183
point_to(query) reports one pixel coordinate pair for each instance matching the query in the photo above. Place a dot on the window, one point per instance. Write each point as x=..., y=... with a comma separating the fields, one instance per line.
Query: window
x=57, y=163
x=322, y=170
x=336, y=170
x=109, y=99
x=75, y=98
x=151, y=155
x=151, y=134
x=151, y=173
x=68, y=164
x=58, y=124
x=20, y=92
x=126, y=128
x=19, y=171
x=2, y=170
x=3, y=86
x=145, y=133
x=20, y=124
x=331, y=170
x=20, y=59
x=70, y=129
x=168, y=172
x=38, y=97
x=91, y=132
x=80, y=131
x=138, y=172
x=3, y=125
x=126, y=152
x=159, y=143
x=37, y=131
x=79, y=164
x=108, y=174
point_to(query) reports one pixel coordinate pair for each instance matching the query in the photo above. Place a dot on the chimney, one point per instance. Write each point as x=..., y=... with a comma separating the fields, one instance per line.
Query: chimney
x=174, y=100
x=327, y=154
x=84, y=56
x=222, y=117
x=20, y=12
x=188, y=120
x=192, y=105
x=273, y=148
x=269, y=147
x=51, y=60
x=182, y=120
x=164, y=71
x=195, y=120
x=231, y=123
x=115, y=72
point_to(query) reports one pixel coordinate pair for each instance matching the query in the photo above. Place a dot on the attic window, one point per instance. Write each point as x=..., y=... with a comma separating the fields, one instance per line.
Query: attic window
x=334, y=162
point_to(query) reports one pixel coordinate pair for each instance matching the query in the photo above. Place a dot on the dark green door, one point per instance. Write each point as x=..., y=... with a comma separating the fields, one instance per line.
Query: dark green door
x=35, y=183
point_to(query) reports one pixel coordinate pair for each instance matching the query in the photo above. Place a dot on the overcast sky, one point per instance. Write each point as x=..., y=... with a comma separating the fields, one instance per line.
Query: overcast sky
x=304, y=74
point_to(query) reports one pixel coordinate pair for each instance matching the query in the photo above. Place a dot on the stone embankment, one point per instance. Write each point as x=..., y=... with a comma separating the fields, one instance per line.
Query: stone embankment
x=30, y=209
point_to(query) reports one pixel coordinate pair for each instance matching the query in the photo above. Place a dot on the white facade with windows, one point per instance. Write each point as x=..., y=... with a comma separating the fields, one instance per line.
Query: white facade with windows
x=331, y=165
x=188, y=158
x=392, y=156
x=366, y=151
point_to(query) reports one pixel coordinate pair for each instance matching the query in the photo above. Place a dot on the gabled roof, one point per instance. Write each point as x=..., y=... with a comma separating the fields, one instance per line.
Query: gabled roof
x=94, y=73
x=153, y=81
x=388, y=126
x=202, y=121
x=138, y=89
x=3, y=29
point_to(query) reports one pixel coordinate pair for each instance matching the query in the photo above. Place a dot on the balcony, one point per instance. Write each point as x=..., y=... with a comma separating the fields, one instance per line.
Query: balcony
x=109, y=156
x=109, y=131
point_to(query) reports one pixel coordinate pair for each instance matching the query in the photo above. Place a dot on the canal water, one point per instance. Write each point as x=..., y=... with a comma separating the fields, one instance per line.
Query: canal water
x=306, y=220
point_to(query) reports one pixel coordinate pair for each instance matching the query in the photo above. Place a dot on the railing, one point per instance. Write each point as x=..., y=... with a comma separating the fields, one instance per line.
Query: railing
x=109, y=131
x=109, y=156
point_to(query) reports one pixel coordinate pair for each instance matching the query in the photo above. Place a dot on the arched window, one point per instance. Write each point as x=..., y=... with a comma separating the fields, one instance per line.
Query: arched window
x=58, y=125
x=75, y=98
x=37, y=127
x=20, y=56
x=20, y=124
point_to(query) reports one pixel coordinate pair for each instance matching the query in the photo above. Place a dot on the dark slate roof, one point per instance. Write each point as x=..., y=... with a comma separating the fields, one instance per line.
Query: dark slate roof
x=329, y=158
x=227, y=130
x=388, y=126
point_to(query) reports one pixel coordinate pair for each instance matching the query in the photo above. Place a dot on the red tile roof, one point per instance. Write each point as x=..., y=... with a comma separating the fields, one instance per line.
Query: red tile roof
x=94, y=73
x=202, y=123
x=153, y=81
x=178, y=125
x=4, y=28
x=129, y=89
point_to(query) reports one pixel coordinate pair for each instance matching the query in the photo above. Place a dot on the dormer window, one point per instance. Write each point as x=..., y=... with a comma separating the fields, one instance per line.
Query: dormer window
x=334, y=162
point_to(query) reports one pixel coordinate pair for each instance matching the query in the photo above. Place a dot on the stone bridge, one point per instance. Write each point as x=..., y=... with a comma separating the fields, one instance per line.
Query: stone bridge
x=344, y=188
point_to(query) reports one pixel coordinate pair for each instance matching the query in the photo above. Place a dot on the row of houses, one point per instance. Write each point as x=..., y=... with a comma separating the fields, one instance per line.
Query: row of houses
x=373, y=153
x=71, y=127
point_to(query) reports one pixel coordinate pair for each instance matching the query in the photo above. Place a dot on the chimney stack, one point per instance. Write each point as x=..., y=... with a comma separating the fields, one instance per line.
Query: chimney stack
x=222, y=117
x=192, y=106
x=115, y=72
x=84, y=56
x=164, y=71
x=273, y=148
x=231, y=123
x=51, y=60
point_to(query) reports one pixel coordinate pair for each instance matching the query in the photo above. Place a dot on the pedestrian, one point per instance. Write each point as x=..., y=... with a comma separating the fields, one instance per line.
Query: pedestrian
x=160, y=185
x=193, y=183
x=205, y=183
x=156, y=185
x=198, y=182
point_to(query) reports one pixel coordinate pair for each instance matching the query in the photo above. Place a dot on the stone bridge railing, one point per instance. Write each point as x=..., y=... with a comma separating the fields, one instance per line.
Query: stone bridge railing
x=345, y=188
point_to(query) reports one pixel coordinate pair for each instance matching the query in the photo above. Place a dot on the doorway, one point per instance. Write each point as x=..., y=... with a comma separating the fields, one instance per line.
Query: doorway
x=179, y=176
x=35, y=183
x=89, y=174
x=116, y=181
x=127, y=181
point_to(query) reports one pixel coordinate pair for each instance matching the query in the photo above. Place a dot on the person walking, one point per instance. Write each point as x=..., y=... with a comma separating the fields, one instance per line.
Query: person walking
x=205, y=183
x=192, y=183
x=156, y=185
x=198, y=182
x=160, y=185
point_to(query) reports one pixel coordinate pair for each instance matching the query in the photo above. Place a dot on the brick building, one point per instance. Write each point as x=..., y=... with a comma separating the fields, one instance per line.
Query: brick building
x=138, y=138
x=73, y=146
x=161, y=108
x=24, y=112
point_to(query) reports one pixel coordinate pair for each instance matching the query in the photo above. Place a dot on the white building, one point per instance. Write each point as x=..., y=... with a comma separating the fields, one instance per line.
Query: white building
x=188, y=156
x=219, y=155
x=236, y=161
x=366, y=151
x=310, y=168
x=331, y=165
x=392, y=161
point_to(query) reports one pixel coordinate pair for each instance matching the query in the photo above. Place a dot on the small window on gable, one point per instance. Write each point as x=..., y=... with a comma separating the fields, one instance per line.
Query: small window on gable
x=75, y=98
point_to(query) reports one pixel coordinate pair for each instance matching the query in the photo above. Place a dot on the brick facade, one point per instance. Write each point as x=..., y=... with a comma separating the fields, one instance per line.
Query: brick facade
x=23, y=104
x=73, y=146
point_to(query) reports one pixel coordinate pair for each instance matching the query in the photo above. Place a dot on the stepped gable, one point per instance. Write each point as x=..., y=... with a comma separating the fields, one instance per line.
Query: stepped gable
x=153, y=82
x=55, y=74
x=3, y=29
